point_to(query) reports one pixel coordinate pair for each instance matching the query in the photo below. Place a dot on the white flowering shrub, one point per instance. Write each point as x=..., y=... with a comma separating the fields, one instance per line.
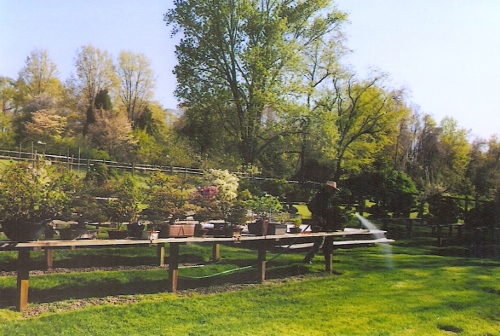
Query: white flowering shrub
x=226, y=184
x=227, y=191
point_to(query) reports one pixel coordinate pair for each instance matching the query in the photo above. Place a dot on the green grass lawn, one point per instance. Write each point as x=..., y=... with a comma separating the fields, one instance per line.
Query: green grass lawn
x=399, y=290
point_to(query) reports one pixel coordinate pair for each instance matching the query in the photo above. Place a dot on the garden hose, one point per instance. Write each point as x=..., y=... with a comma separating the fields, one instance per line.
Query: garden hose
x=235, y=269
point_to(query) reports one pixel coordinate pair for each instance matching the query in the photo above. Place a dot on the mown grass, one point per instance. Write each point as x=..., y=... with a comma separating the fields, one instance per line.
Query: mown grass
x=373, y=291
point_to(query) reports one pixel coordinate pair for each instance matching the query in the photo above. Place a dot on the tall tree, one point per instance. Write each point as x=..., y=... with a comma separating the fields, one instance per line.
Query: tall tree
x=38, y=76
x=95, y=72
x=365, y=117
x=235, y=58
x=456, y=153
x=136, y=82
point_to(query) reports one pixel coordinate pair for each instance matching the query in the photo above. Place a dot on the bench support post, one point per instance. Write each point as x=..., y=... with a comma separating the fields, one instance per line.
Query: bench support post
x=173, y=267
x=261, y=263
x=328, y=251
x=160, y=253
x=49, y=258
x=23, y=279
x=215, y=252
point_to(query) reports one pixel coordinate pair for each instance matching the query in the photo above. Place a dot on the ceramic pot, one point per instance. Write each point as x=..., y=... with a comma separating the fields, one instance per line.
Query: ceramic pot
x=23, y=231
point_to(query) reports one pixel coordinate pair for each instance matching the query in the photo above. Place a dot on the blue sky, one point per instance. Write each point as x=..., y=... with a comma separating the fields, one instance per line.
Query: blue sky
x=446, y=52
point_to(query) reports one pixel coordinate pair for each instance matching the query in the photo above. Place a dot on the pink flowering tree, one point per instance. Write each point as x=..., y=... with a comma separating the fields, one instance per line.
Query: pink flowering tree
x=205, y=200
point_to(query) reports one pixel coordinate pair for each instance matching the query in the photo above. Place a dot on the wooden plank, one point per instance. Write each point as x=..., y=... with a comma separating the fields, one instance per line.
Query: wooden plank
x=113, y=242
x=341, y=243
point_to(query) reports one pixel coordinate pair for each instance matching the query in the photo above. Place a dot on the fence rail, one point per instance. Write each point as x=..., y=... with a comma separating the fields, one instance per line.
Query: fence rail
x=86, y=163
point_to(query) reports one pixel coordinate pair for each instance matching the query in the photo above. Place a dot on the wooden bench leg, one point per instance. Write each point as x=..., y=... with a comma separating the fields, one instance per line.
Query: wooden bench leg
x=328, y=252
x=261, y=263
x=49, y=258
x=23, y=276
x=160, y=253
x=215, y=252
x=173, y=267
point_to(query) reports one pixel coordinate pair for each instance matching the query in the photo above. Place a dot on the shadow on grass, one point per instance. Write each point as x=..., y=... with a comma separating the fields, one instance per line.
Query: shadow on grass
x=114, y=287
x=93, y=261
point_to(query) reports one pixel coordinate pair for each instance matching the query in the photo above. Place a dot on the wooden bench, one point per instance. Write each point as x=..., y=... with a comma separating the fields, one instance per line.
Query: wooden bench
x=261, y=243
x=369, y=238
x=337, y=244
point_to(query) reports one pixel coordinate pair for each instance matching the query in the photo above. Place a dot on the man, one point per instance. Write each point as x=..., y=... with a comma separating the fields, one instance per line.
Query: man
x=326, y=215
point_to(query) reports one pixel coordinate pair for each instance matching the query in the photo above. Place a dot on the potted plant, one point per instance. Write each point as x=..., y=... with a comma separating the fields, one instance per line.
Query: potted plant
x=227, y=205
x=89, y=204
x=278, y=224
x=297, y=222
x=31, y=195
x=204, y=201
x=263, y=207
x=168, y=201
x=123, y=206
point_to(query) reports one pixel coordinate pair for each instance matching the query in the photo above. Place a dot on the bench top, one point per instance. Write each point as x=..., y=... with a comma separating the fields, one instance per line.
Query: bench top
x=59, y=243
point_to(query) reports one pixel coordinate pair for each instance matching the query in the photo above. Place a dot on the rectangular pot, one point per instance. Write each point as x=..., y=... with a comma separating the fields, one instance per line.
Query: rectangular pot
x=258, y=228
x=177, y=230
x=150, y=235
x=276, y=229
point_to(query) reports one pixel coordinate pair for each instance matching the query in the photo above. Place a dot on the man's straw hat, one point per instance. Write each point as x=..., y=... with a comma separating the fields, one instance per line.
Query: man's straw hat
x=332, y=184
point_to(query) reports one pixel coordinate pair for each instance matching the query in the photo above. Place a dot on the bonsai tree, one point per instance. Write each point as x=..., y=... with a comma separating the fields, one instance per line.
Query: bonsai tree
x=226, y=184
x=30, y=196
x=205, y=202
x=166, y=199
x=265, y=205
x=123, y=206
x=93, y=192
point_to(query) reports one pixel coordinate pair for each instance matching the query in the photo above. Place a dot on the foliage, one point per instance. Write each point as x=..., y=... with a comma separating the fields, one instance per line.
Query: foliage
x=483, y=171
x=205, y=198
x=46, y=125
x=95, y=73
x=166, y=199
x=93, y=193
x=33, y=193
x=261, y=85
x=443, y=209
x=265, y=205
x=136, y=82
x=365, y=115
x=38, y=76
x=237, y=213
x=392, y=191
x=236, y=59
x=226, y=185
x=482, y=215
x=124, y=205
x=112, y=132
x=455, y=158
